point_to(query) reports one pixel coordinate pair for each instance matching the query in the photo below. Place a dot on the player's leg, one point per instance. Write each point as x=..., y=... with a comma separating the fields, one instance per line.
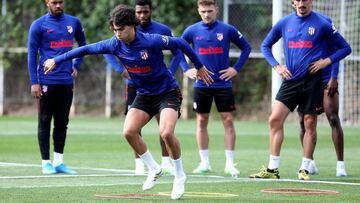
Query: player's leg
x=312, y=168
x=62, y=104
x=312, y=105
x=166, y=165
x=169, y=106
x=130, y=94
x=277, y=118
x=139, y=114
x=302, y=127
x=45, y=113
x=202, y=105
x=225, y=104
x=331, y=107
x=286, y=101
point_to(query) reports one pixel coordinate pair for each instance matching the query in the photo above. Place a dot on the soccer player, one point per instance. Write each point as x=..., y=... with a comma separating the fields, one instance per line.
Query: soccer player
x=158, y=91
x=50, y=35
x=331, y=108
x=143, y=11
x=211, y=41
x=305, y=34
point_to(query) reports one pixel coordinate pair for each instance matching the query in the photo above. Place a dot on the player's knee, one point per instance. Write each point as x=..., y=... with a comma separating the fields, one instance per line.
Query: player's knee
x=274, y=121
x=166, y=136
x=129, y=133
x=334, y=120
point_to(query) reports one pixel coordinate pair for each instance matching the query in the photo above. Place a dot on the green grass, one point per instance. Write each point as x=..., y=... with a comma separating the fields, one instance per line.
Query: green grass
x=96, y=144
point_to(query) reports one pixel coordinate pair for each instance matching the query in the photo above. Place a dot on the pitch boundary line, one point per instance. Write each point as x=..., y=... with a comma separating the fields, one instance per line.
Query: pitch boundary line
x=127, y=173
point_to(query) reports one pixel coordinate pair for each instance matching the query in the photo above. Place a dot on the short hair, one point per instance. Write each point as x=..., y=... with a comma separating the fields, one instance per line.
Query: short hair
x=122, y=15
x=206, y=2
x=144, y=3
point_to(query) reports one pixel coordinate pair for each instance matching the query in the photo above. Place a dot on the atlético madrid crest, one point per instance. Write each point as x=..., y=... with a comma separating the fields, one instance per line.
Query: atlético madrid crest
x=69, y=29
x=311, y=31
x=144, y=54
x=219, y=36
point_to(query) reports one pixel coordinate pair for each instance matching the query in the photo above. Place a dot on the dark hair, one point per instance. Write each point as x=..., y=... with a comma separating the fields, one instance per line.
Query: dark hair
x=206, y=2
x=122, y=15
x=143, y=3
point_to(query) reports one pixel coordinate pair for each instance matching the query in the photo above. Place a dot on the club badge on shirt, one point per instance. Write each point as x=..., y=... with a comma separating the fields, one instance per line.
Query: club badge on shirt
x=69, y=29
x=220, y=36
x=165, y=39
x=44, y=88
x=311, y=31
x=144, y=54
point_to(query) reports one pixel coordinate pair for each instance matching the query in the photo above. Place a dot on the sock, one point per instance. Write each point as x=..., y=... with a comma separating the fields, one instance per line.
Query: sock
x=138, y=162
x=58, y=159
x=204, y=156
x=165, y=160
x=44, y=162
x=229, y=154
x=340, y=164
x=274, y=162
x=179, y=170
x=305, y=164
x=148, y=159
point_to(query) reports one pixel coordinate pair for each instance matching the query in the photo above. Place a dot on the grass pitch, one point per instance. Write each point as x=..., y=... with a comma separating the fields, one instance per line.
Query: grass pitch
x=104, y=161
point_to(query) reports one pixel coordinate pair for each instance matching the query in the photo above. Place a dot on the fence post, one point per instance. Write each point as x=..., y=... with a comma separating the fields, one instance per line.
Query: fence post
x=1, y=83
x=277, y=50
x=108, y=92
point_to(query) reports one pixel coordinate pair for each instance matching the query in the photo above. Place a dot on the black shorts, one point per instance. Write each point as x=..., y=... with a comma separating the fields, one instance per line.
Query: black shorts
x=224, y=99
x=153, y=104
x=306, y=93
x=130, y=94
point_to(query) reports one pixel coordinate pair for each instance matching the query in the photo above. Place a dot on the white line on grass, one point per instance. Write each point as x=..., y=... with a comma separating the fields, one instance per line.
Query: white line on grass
x=211, y=178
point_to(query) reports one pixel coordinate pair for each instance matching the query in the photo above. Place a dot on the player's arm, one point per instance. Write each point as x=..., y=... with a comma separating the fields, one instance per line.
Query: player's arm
x=178, y=43
x=237, y=38
x=81, y=40
x=343, y=49
x=187, y=36
x=111, y=59
x=34, y=40
x=178, y=59
x=273, y=36
x=102, y=47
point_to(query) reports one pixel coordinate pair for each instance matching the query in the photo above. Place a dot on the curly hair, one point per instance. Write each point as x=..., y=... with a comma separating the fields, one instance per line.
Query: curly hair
x=122, y=15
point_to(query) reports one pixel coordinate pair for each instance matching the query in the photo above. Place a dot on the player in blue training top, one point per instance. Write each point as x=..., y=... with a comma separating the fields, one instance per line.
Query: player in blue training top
x=306, y=34
x=50, y=35
x=211, y=41
x=331, y=108
x=158, y=91
x=143, y=11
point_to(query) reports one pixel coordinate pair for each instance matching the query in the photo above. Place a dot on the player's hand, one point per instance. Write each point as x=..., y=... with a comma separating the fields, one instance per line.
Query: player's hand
x=332, y=87
x=228, y=73
x=49, y=65
x=36, y=91
x=318, y=65
x=283, y=71
x=125, y=74
x=205, y=75
x=74, y=73
x=191, y=73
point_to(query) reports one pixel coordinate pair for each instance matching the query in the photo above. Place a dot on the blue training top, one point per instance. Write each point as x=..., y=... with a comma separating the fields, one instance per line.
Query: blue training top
x=51, y=36
x=154, y=27
x=212, y=44
x=305, y=41
x=143, y=59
